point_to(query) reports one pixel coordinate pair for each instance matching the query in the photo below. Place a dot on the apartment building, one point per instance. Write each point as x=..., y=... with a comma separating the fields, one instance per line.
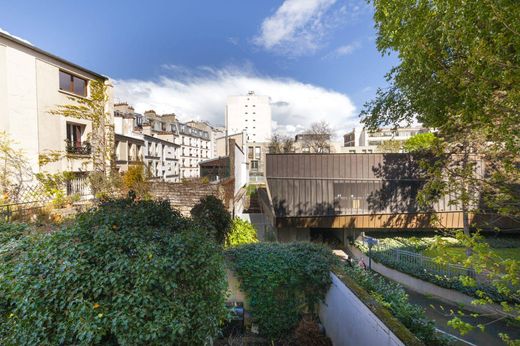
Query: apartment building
x=213, y=131
x=34, y=82
x=251, y=114
x=135, y=144
x=171, y=149
x=195, y=147
x=360, y=140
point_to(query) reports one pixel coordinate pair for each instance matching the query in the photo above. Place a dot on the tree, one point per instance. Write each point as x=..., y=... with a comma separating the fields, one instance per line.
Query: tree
x=280, y=144
x=459, y=73
x=212, y=214
x=419, y=142
x=14, y=168
x=390, y=146
x=317, y=137
x=94, y=109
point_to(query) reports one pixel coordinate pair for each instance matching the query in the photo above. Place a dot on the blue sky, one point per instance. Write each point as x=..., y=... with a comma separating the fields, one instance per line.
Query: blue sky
x=316, y=59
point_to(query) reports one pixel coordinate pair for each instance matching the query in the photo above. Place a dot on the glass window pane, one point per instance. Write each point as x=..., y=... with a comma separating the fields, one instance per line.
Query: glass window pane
x=79, y=86
x=65, y=81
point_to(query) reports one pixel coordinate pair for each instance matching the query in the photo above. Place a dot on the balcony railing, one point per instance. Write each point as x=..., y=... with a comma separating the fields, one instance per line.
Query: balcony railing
x=78, y=149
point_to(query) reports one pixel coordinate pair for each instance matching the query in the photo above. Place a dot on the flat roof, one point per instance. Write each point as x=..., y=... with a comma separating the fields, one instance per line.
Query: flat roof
x=41, y=51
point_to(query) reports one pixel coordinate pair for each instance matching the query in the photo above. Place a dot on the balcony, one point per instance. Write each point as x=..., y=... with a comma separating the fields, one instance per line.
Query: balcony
x=76, y=148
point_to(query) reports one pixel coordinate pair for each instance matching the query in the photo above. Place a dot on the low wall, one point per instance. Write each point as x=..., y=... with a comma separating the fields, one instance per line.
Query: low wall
x=348, y=321
x=183, y=196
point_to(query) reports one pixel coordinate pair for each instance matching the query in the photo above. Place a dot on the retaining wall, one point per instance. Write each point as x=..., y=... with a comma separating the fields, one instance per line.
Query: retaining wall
x=348, y=321
x=183, y=196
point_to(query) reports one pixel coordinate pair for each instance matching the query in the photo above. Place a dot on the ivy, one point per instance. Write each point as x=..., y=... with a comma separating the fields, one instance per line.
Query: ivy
x=126, y=273
x=282, y=282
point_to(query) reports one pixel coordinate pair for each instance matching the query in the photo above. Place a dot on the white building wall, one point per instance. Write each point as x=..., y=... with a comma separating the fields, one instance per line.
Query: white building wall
x=251, y=114
x=29, y=89
x=18, y=93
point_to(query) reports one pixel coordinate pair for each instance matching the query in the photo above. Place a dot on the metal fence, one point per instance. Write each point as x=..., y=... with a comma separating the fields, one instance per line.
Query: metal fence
x=423, y=263
x=79, y=186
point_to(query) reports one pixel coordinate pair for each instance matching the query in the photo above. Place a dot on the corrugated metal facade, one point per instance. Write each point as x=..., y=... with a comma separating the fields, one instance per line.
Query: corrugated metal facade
x=327, y=188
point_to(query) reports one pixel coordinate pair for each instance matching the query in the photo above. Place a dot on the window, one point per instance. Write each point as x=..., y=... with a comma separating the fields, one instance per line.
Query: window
x=257, y=153
x=250, y=152
x=74, y=132
x=254, y=164
x=73, y=84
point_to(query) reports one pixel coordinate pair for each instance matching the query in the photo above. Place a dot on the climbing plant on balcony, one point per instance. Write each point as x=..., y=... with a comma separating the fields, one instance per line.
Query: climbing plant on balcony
x=94, y=108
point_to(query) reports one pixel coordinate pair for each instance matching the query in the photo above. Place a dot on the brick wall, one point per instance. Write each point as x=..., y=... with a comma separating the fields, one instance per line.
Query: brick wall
x=183, y=196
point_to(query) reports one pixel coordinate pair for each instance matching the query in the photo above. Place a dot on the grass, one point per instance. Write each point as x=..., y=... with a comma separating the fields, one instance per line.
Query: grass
x=459, y=253
x=503, y=247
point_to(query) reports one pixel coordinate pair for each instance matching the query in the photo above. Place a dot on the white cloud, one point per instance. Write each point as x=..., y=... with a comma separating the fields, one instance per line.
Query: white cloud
x=202, y=95
x=16, y=37
x=296, y=27
x=343, y=50
x=346, y=49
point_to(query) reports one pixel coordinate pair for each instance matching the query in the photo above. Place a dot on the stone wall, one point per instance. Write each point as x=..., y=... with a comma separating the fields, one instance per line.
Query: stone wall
x=183, y=196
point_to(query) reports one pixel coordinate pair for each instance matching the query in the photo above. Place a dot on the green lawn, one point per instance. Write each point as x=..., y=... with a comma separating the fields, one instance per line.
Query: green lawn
x=459, y=253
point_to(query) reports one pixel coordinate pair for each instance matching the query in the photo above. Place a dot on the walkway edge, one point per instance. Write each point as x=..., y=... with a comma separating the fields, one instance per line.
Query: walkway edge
x=427, y=288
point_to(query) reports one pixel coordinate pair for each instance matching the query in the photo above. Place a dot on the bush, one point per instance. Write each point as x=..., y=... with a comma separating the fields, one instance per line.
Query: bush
x=282, y=281
x=126, y=273
x=210, y=211
x=135, y=180
x=393, y=297
x=242, y=232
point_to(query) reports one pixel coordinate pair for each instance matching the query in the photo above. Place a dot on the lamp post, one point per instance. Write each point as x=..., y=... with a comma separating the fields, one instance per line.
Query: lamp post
x=370, y=242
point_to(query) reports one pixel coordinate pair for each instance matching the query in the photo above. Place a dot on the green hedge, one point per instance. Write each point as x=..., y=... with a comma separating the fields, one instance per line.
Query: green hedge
x=393, y=297
x=282, y=281
x=127, y=273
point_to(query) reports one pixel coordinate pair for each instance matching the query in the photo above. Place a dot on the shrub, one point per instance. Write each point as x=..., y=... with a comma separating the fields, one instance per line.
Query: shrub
x=126, y=273
x=135, y=180
x=212, y=213
x=393, y=297
x=282, y=281
x=242, y=232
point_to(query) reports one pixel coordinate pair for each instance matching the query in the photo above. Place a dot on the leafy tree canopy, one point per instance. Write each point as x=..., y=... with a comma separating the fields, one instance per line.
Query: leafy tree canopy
x=419, y=143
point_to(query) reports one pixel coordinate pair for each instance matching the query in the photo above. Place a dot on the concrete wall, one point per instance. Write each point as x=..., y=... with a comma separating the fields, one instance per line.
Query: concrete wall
x=348, y=321
x=251, y=114
x=240, y=168
x=287, y=235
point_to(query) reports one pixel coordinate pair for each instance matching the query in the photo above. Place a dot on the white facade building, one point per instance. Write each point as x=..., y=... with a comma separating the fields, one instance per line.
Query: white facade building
x=133, y=147
x=360, y=140
x=250, y=114
x=179, y=148
x=34, y=82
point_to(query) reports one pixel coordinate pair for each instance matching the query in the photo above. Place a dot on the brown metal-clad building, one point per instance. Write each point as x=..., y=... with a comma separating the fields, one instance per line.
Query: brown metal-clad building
x=352, y=191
